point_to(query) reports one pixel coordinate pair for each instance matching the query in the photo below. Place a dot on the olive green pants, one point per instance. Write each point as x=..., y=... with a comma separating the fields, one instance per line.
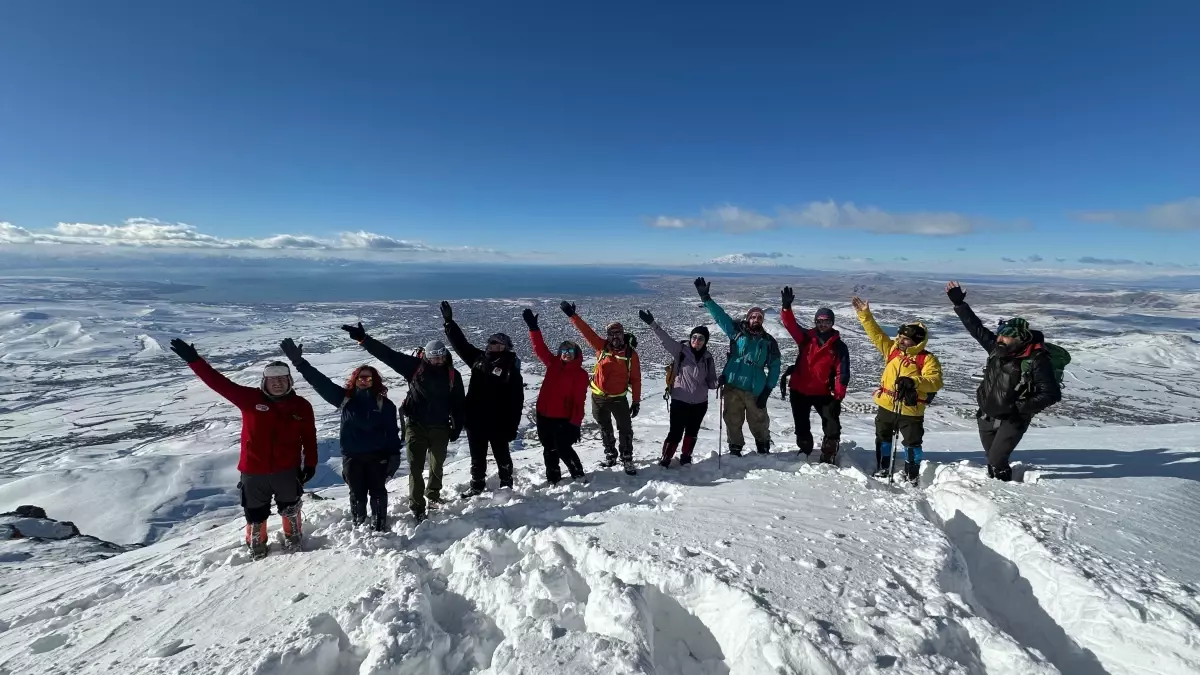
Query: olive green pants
x=425, y=441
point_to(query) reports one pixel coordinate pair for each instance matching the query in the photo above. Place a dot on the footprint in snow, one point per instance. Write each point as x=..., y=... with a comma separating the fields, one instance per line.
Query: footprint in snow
x=722, y=543
x=48, y=643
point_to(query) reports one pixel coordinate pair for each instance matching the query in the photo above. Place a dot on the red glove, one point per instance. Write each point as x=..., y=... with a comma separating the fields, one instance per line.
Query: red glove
x=839, y=391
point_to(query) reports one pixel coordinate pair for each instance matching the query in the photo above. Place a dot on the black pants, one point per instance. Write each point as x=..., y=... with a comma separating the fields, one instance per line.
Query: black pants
x=478, y=439
x=828, y=408
x=257, y=491
x=366, y=475
x=604, y=409
x=558, y=438
x=686, y=419
x=1000, y=438
x=912, y=431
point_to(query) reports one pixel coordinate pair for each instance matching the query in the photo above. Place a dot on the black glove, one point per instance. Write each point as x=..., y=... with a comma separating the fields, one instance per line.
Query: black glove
x=783, y=390
x=306, y=474
x=906, y=390
x=568, y=308
x=293, y=351
x=447, y=312
x=357, y=333
x=530, y=319
x=184, y=351
x=573, y=434
x=635, y=409
x=957, y=295
x=393, y=465
x=646, y=316
x=787, y=297
x=703, y=288
x=761, y=401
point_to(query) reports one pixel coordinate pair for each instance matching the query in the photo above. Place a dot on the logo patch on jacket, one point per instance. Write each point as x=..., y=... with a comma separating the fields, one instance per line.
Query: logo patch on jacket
x=262, y=407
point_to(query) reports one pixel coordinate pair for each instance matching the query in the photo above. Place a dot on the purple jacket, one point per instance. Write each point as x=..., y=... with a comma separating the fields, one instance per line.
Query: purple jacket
x=693, y=378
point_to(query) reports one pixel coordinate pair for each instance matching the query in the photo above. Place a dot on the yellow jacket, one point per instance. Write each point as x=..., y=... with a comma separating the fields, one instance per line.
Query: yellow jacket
x=928, y=378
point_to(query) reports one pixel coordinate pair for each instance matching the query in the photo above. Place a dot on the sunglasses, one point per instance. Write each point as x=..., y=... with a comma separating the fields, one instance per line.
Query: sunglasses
x=698, y=336
x=828, y=321
x=366, y=376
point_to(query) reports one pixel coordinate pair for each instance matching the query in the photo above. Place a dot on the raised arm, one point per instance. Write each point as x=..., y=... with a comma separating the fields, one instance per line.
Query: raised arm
x=402, y=363
x=325, y=387
x=535, y=338
x=598, y=343
x=458, y=342
x=1044, y=390
x=875, y=334
x=793, y=327
x=673, y=346
x=958, y=296
x=236, y=394
x=727, y=325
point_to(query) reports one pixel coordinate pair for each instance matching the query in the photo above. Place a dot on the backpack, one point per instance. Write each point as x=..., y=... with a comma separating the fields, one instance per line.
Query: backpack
x=670, y=380
x=920, y=359
x=1059, y=360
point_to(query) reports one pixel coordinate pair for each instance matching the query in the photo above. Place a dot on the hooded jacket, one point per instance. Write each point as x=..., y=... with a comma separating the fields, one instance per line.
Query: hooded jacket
x=750, y=354
x=616, y=372
x=369, y=421
x=902, y=364
x=278, y=434
x=496, y=395
x=694, y=374
x=1006, y=391
x=435, y=393
x=821, y=369
x=565, y=387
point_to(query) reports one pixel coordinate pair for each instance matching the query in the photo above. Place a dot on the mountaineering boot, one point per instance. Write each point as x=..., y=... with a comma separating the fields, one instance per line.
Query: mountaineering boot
x=805, y=445
x=912, y=471
x=630, y=470
x=735, y=450
x=379, y=514
x=685, y=455
x=829, y=448
x=763, y=448
x=256, y=539
x=506, y=483
x=293, y=530
x=609, y=461
x=668, y=452
x=476, y=490
x=1003, y=473
x=358, y=511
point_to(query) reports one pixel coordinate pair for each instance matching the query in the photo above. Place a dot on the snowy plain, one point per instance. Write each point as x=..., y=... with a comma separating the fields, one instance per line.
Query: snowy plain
x=763, y=564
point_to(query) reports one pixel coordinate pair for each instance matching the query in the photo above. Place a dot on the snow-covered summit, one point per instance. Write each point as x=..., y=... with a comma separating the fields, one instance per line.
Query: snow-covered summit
x=747, y=259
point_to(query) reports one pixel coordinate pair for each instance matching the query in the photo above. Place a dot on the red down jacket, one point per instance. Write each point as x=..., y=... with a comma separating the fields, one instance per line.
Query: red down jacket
x=565, y=387
x=277, y=434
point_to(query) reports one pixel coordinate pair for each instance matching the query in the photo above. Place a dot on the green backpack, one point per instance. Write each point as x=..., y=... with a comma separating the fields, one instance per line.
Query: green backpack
x=1059, y=359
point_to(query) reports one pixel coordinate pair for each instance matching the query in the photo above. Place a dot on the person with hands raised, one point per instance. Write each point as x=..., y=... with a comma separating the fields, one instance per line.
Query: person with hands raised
x=435, y=411
x=369, y=433
x=820, y=377
x=495, y=400
x=750, y=374
x=695, y=374
x=560, y=402
x=618, y=373
x=1018, y=382
x=911, y=376
x=278, y=445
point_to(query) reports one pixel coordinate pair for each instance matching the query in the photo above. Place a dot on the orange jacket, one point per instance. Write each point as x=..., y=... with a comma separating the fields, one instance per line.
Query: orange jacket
x=615, y=372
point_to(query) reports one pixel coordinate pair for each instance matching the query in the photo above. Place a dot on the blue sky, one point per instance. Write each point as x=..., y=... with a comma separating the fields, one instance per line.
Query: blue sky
x=570, y=129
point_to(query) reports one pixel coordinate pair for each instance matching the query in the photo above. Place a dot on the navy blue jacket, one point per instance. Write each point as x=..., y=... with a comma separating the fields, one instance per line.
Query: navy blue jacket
x=369, y=423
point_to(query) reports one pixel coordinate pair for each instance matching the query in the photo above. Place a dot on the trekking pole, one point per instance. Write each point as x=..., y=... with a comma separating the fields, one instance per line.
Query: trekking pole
x=896, y=408
x=720, y=422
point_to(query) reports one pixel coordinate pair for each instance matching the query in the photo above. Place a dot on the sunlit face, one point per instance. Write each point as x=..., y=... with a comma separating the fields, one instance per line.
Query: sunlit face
x=1008, y=340
x=364, y=380
x=698, y=340
x=824, y=325
x=616, y=338
x=277, y=386
x=755, y=319
x=905, y=343
x=566, y=354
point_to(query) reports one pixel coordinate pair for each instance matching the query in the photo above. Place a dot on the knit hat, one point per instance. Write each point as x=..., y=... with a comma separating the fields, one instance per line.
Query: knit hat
x=502, y=339
x=615, y=327
x=1018, y=328
x=703, y=330
x=435, y=348
x=277, y=369
x=756, y=309
x=824, y=313
x=913, y=331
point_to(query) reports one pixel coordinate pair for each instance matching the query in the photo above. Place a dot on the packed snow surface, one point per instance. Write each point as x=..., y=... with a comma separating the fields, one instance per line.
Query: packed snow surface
x=760, y=564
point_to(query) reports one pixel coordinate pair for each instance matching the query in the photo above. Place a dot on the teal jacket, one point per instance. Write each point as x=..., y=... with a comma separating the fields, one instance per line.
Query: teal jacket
x=749, y=355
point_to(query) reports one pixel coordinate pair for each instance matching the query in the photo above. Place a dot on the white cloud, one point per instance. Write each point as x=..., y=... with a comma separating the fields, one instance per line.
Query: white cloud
x=1180, y=215
x=148, y=233
x=829, y=215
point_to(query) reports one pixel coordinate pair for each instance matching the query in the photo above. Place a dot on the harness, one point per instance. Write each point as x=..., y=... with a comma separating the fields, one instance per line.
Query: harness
x=595, y=387
x=905, y=360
